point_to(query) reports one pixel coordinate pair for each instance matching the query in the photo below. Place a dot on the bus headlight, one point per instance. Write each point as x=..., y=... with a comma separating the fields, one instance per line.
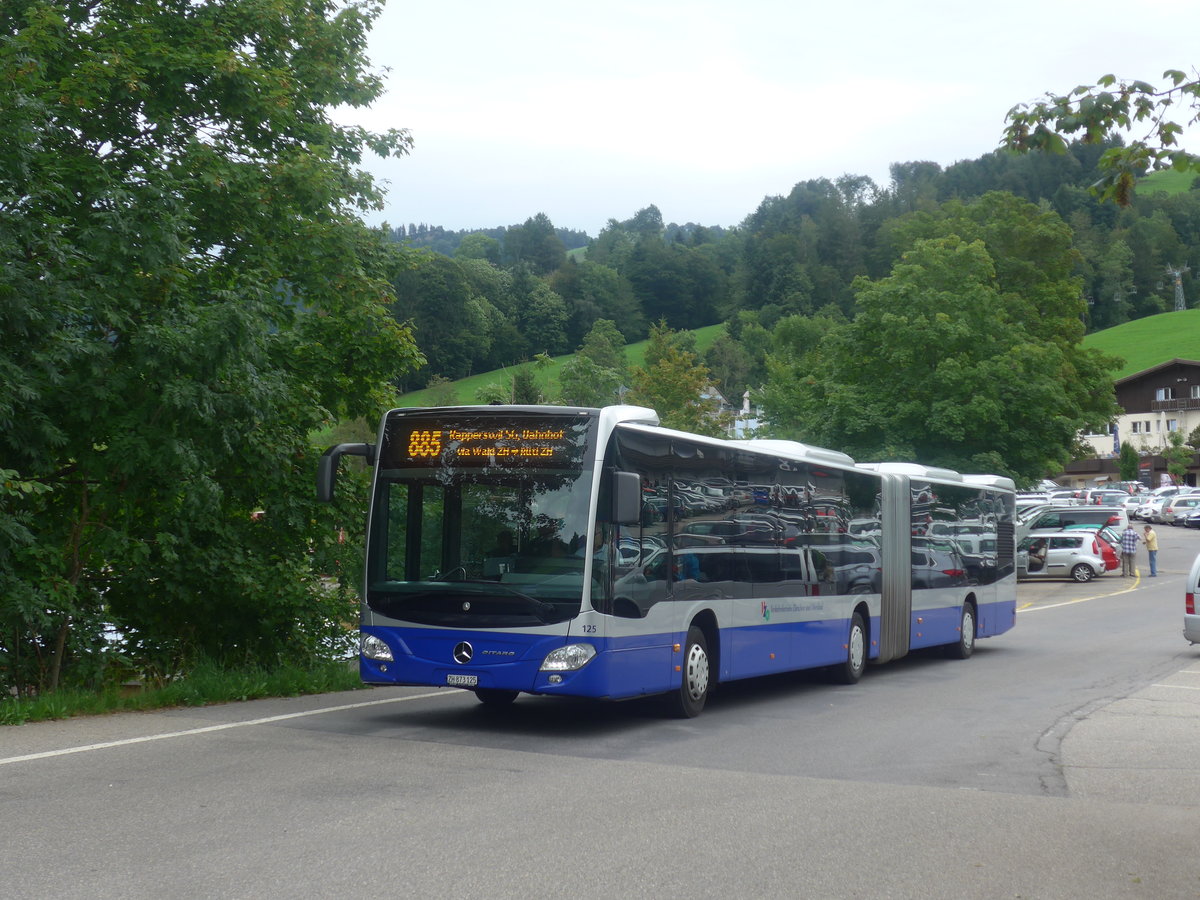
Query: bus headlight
x=568, y=658
x=372, y=647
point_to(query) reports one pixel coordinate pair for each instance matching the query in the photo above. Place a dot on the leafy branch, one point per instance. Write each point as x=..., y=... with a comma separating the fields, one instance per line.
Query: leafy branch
x=1092, y=113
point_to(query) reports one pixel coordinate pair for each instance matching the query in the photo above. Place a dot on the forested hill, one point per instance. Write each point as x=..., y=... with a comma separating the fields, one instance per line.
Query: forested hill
x=499, y=296
x=439, y=240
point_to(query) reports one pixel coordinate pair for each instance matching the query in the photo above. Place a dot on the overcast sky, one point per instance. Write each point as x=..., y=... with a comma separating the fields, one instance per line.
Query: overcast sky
x=590, y=112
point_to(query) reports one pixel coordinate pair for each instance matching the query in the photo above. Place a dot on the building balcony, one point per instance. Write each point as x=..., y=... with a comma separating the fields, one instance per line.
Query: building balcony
x=1175, y=405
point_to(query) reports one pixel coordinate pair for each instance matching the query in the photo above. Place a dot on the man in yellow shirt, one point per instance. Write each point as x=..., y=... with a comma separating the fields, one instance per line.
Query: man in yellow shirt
x=1152, y=549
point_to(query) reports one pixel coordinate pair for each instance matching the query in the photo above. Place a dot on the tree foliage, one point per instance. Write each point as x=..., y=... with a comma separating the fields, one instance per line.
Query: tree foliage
x=536, y=244
x=1092, y=112
x=595, y=375
x=677, y=385
x=1177, y=455
x=1128, y=461
x=943, y=366
x=186, y=293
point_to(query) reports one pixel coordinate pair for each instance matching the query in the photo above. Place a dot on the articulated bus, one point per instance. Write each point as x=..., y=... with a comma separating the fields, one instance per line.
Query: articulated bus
x=594, y=553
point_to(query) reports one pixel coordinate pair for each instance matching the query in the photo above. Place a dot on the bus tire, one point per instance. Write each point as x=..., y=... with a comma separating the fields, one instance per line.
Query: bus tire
x=852, y=669
x=494, y=697
x=689, y=700
x=965, y=645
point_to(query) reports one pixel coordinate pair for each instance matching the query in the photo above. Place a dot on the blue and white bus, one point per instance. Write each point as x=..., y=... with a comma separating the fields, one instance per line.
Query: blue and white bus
x=594, y=553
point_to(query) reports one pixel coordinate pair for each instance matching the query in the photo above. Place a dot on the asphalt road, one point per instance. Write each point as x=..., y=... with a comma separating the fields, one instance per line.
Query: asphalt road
x=1058, y=762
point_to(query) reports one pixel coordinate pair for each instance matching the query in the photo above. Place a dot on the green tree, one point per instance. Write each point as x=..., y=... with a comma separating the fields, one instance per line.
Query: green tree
x=436, y=297
x=1178, y=456
x=593, y=291
x=479, y=246
x=605, y=346
x=730, y=365
x=525, y=388
x=942, y=367
x=444, y=393
x=675, y=384
x=542, y=319
x=536, y=244
x=582, y=382
x=1093, y=112
x=187, y=293
x=1127, y=461
x=595, y=375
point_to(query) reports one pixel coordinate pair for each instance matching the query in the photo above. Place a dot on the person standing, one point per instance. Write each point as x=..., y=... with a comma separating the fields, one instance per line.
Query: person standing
x=1129, y=544
x=1152, y=548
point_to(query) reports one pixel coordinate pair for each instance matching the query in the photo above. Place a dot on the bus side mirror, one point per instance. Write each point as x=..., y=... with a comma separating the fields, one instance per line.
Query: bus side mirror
x=627, y=498
x=327, y=466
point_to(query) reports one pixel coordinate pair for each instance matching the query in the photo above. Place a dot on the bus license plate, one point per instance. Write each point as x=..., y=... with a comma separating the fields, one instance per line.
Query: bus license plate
x=463, y=680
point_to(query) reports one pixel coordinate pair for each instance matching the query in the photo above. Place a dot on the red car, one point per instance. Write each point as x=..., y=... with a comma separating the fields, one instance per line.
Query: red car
x=1108, y=541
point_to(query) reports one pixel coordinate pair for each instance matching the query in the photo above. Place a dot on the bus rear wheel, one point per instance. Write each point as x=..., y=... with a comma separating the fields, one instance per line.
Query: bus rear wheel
x=493, y=697
x=689, y=700
x=852, y=669
x=965, y=645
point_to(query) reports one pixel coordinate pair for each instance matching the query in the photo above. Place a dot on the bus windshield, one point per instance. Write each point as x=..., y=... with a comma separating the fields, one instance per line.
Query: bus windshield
x=481, y=521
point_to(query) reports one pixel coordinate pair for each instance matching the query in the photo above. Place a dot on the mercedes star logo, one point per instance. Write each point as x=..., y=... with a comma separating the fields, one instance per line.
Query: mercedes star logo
x=463, y=652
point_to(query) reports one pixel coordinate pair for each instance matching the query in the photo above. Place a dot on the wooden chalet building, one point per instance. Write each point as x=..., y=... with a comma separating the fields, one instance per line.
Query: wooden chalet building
x=1154, y=402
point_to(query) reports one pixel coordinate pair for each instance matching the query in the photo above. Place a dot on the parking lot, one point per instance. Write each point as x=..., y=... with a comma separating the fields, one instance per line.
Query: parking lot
x=1178, y=546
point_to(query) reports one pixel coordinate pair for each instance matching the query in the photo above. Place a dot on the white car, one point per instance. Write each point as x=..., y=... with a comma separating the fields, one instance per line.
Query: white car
x=1151, y=509
x=1132, y=503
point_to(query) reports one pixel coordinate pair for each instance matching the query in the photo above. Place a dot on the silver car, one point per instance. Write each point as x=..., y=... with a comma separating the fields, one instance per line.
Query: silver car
x=1178, y=508
x=1191, y=616
x=1062, y=554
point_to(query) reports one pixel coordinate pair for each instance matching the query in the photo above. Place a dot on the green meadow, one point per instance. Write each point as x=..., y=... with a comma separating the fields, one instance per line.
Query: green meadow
x=1147, y=342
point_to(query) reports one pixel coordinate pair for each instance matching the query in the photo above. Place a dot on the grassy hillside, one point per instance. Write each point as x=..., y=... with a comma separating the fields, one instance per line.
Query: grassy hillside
x=1142, y=344
x=1150, y=341
x=465, y=388
x=1168, y=181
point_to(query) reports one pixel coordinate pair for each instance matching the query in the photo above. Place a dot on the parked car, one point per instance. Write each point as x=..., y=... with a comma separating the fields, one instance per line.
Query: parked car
x=1110, y=543
x=1075, y=554
x=1155, y=510
x=1131, y=503
x=1191, y=618
x=1060, y=518
x=1063, y=495
x=1157, y=494
x=1178, y=508
x=1104, y=497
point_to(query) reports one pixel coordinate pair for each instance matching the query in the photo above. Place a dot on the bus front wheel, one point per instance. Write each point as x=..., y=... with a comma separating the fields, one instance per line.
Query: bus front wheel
x=689, y=700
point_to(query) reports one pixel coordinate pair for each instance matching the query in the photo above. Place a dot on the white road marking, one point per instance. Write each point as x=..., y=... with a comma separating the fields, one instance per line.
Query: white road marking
x=174, y=734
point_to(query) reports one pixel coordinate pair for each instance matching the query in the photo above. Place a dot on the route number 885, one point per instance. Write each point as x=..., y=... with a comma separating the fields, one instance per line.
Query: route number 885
x=424, y=443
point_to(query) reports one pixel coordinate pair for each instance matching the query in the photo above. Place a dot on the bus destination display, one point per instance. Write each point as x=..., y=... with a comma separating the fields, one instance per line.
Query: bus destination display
x=542, y=442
